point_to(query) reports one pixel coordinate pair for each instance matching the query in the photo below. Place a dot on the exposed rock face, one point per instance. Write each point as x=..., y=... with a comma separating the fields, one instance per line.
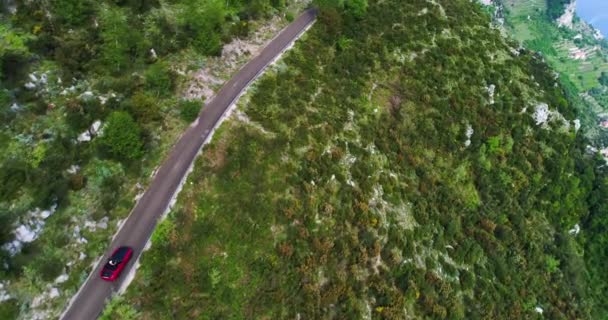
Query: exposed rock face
x=566, y=19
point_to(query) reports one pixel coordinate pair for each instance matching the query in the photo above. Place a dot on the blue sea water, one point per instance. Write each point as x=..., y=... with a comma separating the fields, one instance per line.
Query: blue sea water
x=595, y=12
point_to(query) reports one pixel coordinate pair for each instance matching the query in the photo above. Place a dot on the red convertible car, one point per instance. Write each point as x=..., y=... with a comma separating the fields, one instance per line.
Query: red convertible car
x=116, y=263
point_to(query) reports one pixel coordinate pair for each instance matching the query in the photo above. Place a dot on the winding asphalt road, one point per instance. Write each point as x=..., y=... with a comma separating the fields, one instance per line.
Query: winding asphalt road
x=89, y=302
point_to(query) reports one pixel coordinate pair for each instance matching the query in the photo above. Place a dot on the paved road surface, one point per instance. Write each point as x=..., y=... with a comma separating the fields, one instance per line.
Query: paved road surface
x=137, y=229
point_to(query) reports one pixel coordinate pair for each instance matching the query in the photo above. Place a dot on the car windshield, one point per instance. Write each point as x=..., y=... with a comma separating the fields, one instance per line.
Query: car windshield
x=116, y=258
x=120, y=254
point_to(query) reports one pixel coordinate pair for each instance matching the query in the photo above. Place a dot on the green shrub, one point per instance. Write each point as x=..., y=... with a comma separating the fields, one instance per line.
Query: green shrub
x=122, y=137
x=71, y=12
x=289, y=16
x=116, y=35
x=119, y=309
x=144, y=107
x=159, y=79
x=9, y=310
x=189, y=109
x=161, y=234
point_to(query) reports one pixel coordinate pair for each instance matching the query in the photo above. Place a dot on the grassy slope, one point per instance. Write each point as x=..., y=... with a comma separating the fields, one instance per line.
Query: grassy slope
x=352, y=195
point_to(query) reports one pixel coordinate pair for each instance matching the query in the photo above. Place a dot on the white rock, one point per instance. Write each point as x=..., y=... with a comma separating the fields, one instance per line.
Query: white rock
x=539, y=310
x=82, y=256
x=45, y=214
x=87, y=95
x=469, y=134
x=53, y=293
x=62, y=278
x=38, y=300
x=91, y=225
x=27, y=234
x=598, y=35
x=577, y=124
x=541, y=114
x=4, y=295
x=84, y=137
x=103, y=223
x=29, y=230
x=575, y=230
x=95, y=127
x=73, y=169
x=591, y=149
x=567, y=18
x=30, y=85
x=491, y=89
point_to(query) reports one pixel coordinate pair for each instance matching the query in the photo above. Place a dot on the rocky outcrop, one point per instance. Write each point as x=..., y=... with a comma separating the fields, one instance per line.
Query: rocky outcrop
x=566, y=20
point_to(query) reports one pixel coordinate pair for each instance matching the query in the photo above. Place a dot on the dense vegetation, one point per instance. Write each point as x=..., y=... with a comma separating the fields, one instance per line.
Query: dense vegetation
x=585, y=84
x=556, y=8
x=529, y=23
x=393, y=166
x=86, y=88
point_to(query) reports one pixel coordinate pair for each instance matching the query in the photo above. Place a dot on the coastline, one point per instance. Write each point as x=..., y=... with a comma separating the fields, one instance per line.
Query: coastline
x=587, y=11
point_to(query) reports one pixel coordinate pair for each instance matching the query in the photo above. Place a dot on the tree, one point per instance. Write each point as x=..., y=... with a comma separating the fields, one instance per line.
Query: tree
x=356, y=8
x=203, y=23
x=116, y=36
x=13, y=51
x=73, y=52
x=138, y=6
x=159, y=79
x=72, y=12
x=189, y=109
x=122, y=136
x=119, y=309
x=144, y=107
x=603, y=79
x=556, y=8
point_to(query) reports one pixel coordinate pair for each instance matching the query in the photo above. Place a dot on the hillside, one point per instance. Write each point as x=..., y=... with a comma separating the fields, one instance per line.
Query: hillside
x=93, y=94
x=576, y=51
x=579, y=54
x=404, y=161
